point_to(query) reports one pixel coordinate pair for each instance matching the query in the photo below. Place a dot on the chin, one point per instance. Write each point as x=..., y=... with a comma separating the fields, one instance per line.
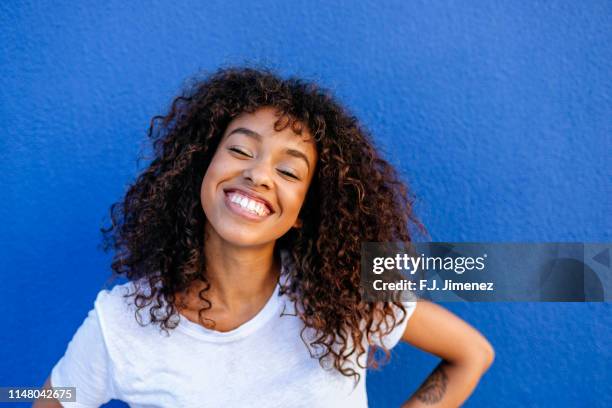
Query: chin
x=244, y=241
x=236, y=237
x=247, y=235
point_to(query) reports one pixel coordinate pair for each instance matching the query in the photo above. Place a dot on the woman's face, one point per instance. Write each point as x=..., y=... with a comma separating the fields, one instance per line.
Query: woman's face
x=257, y=180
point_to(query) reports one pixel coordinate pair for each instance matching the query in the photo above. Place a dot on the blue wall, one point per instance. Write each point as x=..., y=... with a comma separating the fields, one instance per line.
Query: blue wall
x=497, y=112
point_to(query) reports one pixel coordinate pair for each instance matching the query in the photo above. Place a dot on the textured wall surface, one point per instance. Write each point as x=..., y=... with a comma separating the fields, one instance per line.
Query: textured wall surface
x=498, y=113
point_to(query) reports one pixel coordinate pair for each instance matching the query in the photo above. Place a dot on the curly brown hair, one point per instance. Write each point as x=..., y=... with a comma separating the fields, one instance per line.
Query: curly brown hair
x=356, y=196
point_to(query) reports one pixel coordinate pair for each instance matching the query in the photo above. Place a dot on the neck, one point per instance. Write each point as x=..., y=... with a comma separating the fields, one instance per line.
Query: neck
x=239, y=276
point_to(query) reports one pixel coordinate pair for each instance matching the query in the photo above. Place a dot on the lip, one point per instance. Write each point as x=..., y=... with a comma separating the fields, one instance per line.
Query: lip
x=252, y=196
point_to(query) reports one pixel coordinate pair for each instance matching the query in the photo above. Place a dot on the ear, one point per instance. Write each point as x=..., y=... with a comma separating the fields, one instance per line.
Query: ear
x=298, y=223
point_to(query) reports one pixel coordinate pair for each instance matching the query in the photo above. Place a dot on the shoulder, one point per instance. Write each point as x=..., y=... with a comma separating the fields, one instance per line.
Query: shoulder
x=113, y=304
x=94, y=352
x=120, y=299
x=114, y=297
x=394, y=325
x=120, y=320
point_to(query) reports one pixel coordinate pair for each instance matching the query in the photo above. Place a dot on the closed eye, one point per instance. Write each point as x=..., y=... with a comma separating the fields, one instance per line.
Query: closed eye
x=234, y=149
x=288, y=174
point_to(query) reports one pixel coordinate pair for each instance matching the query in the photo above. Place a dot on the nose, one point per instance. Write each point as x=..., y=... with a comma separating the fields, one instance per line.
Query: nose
x=258, y=174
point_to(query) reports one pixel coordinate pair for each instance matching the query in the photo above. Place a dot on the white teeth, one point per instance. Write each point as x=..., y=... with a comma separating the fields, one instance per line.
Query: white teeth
x=248, y=204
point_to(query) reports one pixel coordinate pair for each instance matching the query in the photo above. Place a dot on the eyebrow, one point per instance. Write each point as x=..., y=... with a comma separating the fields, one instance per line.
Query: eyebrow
x=257, y=136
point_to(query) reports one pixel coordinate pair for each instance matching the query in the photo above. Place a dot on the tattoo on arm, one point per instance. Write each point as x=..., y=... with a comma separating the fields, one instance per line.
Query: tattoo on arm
x=434, y=387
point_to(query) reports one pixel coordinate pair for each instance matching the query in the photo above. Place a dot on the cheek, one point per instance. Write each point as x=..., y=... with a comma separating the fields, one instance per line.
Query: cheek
x=209, y=183
x=205, y=187
x=294, y=200
x=213, y=173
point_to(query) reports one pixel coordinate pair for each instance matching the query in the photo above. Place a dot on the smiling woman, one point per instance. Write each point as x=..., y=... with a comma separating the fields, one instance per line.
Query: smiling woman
x=257, y=174
x=241, y=242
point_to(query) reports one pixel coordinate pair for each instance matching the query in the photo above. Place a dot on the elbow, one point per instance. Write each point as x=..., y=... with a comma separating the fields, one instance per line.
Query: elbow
x=487, y=355
x=480, y=355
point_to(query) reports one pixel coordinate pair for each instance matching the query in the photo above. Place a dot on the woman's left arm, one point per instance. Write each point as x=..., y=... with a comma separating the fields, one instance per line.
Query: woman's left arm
x=465, y=354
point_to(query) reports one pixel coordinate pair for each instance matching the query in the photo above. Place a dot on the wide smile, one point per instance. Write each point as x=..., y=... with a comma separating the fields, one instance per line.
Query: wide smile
x=246, y=207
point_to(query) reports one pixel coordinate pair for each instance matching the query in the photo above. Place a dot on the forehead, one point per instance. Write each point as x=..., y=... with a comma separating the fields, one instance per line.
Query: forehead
x=262, y=122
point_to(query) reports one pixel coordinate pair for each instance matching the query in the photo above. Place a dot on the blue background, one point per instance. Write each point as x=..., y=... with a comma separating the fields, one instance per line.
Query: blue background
x=497, y=112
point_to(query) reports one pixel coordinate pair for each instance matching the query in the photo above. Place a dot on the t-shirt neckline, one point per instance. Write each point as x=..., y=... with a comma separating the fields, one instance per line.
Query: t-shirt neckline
x=269, y=310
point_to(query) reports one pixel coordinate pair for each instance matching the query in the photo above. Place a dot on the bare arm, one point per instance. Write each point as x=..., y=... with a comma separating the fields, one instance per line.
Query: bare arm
x=47, y=403
x=466, y=355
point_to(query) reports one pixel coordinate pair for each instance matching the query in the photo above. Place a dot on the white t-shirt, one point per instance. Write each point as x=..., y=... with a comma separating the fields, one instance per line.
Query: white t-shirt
x=262, y=363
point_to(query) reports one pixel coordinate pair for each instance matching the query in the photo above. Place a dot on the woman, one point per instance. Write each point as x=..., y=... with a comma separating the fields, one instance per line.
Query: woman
x=241, y=242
